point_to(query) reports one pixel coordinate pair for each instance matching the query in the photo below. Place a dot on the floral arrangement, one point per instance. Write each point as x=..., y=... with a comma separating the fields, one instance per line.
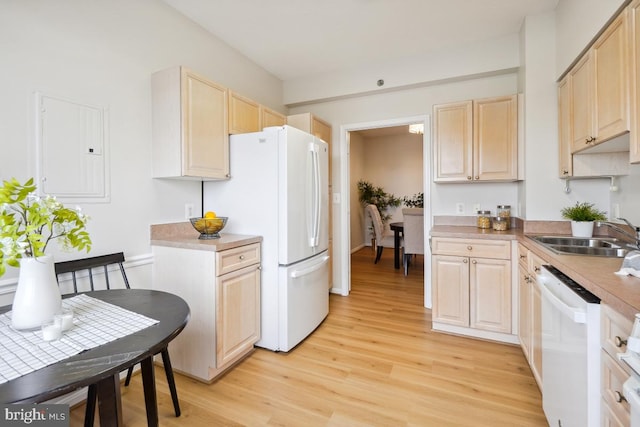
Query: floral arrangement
x=28, y=223
x=583, y=211
x=415, y=201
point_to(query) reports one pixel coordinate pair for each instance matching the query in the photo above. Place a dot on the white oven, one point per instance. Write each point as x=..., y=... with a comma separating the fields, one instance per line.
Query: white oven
x=570, y=351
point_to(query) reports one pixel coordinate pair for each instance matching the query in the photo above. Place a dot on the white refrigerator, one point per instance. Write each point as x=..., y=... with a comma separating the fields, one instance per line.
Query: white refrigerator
x=279, y=189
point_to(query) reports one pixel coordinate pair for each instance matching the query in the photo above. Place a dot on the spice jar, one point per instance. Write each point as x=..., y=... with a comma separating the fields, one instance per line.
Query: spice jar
x=501, y=223
x=484, y=219
x=504, y=211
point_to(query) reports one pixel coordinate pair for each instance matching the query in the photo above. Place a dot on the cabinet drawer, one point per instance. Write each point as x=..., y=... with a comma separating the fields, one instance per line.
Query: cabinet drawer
x=497, y=249
x=523, y=256
x=236, y=258
x=614, y=330
x=613, y=377
x=535, y=263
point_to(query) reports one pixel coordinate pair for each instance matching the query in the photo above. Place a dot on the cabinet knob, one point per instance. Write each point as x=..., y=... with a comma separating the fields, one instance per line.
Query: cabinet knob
x=619, y=397
x=474, y=262
x=590, y=139
x=241, y=257
x=523, y=256
x=469, y=247
x=565, y=172
x=536, y=269
x=477, y=177
x=619, y=341
x=469, y=178
x=465, y=261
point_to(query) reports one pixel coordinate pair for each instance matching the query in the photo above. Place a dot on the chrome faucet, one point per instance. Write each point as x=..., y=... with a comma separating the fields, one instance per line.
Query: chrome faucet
x=636, y=238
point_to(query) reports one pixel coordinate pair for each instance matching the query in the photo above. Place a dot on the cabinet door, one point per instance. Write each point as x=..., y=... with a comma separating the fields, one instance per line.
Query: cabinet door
x=613, y=377
x=204, y=125
x=450, y=279
x=453, y=141
x=495, y=138
x=581, y=99
x=524, y=311
x=611, y=96
x=237, y=314
x=271, y=118
x=490, y=294
x=634, y=24
x=536, y=333
x=244, y=114
x=565, y=163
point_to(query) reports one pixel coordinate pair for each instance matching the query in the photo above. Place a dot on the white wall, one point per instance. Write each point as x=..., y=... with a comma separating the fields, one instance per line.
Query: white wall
x=475, y=59
x=104, y=52
x=356, y=167
x=577, y=23
x=391, y=162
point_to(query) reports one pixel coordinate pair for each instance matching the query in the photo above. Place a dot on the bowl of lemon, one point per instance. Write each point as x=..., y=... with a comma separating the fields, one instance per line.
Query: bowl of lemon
x=209, y=225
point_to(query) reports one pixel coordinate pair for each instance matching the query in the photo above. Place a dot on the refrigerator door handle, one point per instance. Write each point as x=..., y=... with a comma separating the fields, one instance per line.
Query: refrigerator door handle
x=299, y=273
x=315, y=191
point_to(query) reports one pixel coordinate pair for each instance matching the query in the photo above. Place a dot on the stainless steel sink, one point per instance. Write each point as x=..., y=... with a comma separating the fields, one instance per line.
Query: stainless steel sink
x=594, y=246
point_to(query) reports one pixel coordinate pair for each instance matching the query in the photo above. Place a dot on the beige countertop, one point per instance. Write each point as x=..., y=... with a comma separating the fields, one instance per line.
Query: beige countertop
x=183, y=235
x=596, y=274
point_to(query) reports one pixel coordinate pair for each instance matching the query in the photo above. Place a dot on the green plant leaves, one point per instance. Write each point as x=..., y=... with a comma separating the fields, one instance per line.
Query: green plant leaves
x=583, y=211
x=28, y=223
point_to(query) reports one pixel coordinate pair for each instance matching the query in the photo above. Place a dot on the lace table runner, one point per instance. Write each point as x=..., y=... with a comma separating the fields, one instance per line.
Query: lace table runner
x=95, y=323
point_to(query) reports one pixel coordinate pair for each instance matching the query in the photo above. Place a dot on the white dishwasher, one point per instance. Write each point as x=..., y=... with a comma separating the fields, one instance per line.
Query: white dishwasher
x=570, y=351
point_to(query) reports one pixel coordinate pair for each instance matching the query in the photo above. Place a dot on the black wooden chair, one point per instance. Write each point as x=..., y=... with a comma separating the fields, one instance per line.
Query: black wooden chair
x=106, y=262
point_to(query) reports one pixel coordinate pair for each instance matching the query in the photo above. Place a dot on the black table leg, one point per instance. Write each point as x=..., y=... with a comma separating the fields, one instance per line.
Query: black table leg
x=109, y=401
x=149, y=384
x=396, y=248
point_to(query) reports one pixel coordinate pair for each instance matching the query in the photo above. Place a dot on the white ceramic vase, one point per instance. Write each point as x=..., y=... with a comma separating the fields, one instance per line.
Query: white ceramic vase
x=37, y=297
x=582, y=228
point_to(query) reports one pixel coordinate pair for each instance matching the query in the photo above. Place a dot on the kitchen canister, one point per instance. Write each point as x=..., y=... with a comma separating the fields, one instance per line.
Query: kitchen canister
x=500, y=223
x=504, y=211
x=484, y=219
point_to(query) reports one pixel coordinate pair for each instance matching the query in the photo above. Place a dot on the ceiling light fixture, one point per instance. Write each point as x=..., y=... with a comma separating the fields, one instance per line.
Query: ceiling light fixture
x=416, y=128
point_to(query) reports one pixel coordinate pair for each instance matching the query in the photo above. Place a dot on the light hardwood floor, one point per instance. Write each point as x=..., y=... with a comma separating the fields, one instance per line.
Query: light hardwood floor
x=373, y=362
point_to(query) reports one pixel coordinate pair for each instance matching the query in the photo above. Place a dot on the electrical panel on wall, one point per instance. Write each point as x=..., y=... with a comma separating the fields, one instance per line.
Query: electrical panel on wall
x=72, y=150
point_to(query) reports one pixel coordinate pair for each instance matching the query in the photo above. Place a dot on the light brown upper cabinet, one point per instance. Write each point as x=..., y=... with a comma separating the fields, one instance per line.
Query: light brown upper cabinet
x=476, y=140
x=565, y=160
x=599, y=89
x=270, y=117
x=244, y=114
x=189, y=126
x=634, y=25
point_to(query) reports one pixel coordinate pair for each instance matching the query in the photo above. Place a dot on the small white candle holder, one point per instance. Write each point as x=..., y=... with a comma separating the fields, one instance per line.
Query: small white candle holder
x=51, y=330
x=65, y=319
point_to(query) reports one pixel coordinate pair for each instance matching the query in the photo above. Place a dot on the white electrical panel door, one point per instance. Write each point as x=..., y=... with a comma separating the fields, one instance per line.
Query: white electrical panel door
x=72, y=150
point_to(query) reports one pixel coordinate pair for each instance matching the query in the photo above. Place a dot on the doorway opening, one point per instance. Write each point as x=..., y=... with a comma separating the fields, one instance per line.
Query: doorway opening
x=351, y=206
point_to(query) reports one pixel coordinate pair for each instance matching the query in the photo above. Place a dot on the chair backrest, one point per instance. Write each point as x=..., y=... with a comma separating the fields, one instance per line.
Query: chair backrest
x=88, y=264
x=376, y=221
x=413, y=230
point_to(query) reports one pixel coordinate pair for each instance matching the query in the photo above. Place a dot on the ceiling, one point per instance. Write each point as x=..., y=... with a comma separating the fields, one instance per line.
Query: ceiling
x=297, y=38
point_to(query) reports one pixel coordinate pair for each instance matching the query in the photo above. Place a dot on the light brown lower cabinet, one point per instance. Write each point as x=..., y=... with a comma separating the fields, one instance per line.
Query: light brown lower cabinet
x=472, y=287
x=222, y=290
x=614, y=332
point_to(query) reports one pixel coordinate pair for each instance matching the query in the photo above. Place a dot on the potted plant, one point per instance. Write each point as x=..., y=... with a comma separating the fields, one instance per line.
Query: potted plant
x=370, y=194
x=28, y=223
x=582, y=216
